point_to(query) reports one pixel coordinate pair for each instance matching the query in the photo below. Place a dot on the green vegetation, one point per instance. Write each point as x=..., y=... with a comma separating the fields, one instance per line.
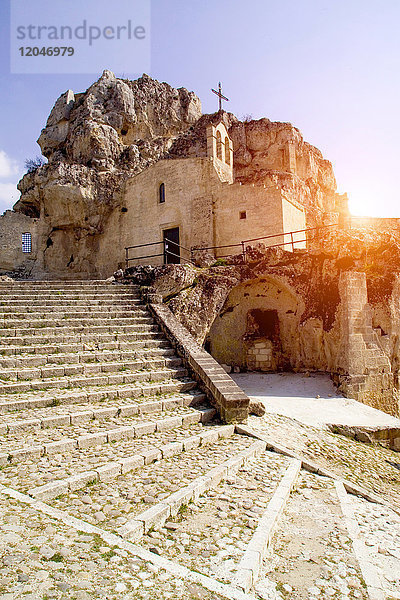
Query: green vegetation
x=220, y=262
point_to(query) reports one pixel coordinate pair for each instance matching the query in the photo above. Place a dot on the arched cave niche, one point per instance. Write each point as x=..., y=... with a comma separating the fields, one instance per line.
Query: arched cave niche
x=258, y=327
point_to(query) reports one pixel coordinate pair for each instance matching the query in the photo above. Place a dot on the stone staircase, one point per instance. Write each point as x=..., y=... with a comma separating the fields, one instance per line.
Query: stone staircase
x=118, y=480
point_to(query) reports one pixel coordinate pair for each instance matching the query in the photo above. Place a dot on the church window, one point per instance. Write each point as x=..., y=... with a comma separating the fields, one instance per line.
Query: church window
x=242, y=214
x=161, y=193
x=227, y=151
x=219, y=145
x=26, y=243
x=283, y=158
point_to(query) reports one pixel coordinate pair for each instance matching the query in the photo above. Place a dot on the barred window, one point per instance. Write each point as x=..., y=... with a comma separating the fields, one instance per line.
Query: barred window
x=26, y=243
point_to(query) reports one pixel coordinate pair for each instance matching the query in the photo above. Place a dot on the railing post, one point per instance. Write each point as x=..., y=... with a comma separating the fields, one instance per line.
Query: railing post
x=243, y=252
x=291, y=239
x=126, y=258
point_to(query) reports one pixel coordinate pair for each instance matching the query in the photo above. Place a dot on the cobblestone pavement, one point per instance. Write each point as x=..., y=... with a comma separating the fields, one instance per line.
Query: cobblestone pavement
x=132, y=489
x=312, y=554
x=380, y=527
x=43, y=559
x=374, y=467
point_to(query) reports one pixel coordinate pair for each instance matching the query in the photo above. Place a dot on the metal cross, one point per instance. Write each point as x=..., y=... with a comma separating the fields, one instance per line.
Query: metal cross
x=220, y=96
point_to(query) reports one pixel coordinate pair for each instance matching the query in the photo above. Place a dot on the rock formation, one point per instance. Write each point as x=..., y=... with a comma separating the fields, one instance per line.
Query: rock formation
x=94, y=141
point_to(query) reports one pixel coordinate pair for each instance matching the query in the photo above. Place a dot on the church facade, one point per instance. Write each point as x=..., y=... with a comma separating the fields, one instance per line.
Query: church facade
x=195, y=203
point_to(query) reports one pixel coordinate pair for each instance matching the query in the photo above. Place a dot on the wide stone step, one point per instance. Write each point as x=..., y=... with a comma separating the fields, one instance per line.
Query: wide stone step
x=84, y=432
x=59, y=303
x=213, y=532
x=87, y=368
x=130, y=493
x=93, y=343
x=47, y=327
x=59, y=376
x=99, y=338
x=18, y=319
x=36, y=471
x=61, y=285
x=106, y=394
x=31, y=419
x=61, y=282
x=25, y=295
x=29, y=361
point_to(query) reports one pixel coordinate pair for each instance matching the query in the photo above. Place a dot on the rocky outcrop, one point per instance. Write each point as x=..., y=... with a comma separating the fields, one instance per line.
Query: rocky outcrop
x=93, y=142
x=275, y=154
x=118, y=123
x=272, y=155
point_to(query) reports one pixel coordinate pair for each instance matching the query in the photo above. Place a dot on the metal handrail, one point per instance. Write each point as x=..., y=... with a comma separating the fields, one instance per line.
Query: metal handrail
x=241, y=244
x=142, y=245
x=166, y=251
x=265, y=237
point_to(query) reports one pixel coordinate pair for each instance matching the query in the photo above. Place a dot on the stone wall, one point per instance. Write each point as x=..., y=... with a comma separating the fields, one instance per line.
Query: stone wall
x=12, y=226
x=227, y=336
x=142, y=218
x=231, y=402
x=364, y=370
x=244, y=212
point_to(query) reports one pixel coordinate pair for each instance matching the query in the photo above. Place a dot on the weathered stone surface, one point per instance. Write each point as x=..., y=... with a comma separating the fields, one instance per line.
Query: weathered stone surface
x=256, y=408
x=94, y=141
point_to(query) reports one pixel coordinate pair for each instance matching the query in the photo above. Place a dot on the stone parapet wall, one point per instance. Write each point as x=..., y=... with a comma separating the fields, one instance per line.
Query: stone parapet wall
x=230, y=401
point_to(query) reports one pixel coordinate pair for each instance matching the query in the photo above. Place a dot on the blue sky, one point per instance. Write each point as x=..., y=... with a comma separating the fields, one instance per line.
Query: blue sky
x=330, y=68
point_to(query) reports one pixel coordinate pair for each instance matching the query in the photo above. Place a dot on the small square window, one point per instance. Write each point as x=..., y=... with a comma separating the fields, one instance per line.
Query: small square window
x=242, y=214
x=26, y=243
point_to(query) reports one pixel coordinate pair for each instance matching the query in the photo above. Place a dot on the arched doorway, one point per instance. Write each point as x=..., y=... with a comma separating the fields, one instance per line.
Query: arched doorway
x=258, y=327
